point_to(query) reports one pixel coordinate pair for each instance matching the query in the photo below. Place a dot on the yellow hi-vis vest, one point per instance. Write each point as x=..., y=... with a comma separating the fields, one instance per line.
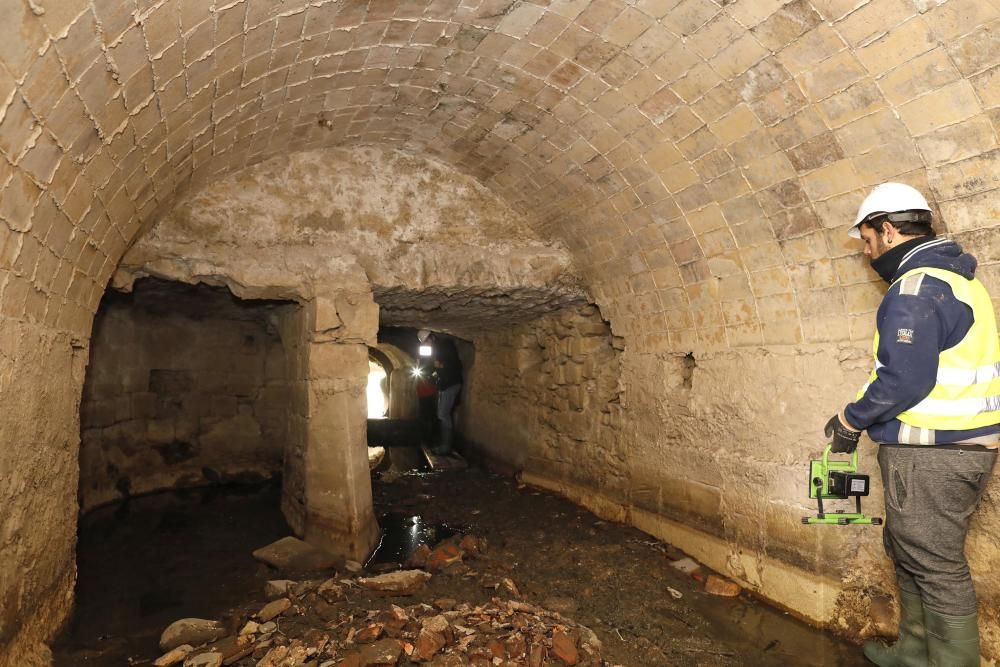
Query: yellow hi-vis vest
x=967, y=393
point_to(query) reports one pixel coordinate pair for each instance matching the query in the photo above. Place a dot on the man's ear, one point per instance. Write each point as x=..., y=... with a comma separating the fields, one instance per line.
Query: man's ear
x=889, y=230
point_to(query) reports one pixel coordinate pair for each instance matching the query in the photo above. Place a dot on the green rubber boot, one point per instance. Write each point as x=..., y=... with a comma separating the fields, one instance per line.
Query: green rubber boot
x=952, y=641
x=911, y=649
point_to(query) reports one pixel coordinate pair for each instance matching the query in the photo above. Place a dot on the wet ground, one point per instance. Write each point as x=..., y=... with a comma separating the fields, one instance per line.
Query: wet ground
x=169, y=556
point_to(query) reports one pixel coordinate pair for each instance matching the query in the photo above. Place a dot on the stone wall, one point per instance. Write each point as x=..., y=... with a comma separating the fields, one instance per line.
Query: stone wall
x=293, y=481
x=184, y=398
x=706, y=450
x=541, y=396
x=41, y=372
x=701, y=159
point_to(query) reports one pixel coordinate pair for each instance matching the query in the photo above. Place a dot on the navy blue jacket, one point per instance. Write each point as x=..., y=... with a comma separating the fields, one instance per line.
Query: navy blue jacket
x=913, y=330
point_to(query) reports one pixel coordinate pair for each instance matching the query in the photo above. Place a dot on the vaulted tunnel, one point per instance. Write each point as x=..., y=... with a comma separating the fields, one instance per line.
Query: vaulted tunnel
x=634, y=210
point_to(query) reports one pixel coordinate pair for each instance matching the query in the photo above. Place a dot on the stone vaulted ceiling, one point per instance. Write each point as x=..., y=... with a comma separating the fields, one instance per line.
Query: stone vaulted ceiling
x=700, y=158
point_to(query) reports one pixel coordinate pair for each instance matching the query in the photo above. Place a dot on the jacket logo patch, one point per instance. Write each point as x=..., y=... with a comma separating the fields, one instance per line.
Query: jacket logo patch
x=904, y=336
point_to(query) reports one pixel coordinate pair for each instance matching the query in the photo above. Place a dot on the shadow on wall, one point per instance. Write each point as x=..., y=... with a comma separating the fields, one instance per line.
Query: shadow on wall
x=187, y=385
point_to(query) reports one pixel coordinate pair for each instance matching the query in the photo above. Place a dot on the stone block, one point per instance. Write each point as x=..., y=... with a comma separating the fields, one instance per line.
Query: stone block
x=977, y=51
x=735, y=125
x=338, y=360
x=783, y=332
x=833, y=179
x=864, y=134
x=816, y=152
x=293, y=555
x=826, y=329
x=943, y=106
x=42, y=159
x=987, y=85
x=833, y=10
x=924, y=73
x=17, y=202
x=751, y=14
x=812, y=50
x=871, y=20
x=863, y=297
x=902, y=43
x=957, y=142
x=193, y=631
x=968, y=213
x=21, y=37
x=860, y=99
x=831, y=76
x=887, y=164
x=974, y=175
x=738, y=57
x=770, y=282
x=952, y=19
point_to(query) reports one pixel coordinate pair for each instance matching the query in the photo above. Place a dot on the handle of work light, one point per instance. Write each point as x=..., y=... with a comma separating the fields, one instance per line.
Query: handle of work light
x=828, y=450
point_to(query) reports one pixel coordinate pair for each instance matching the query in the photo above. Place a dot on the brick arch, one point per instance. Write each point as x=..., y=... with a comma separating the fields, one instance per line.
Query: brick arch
x=701, y=158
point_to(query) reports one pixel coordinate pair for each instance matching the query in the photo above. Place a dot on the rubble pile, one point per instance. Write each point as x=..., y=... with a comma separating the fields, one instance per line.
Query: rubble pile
x=356, y=621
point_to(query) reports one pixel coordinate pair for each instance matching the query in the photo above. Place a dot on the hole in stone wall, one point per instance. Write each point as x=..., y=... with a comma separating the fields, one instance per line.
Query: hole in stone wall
x=687, y=370
x=186, y=386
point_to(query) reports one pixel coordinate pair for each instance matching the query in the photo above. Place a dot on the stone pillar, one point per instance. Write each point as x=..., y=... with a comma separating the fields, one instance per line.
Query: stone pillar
x=333, y=509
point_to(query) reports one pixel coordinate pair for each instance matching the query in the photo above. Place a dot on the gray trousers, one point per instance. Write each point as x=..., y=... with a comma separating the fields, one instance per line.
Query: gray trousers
x=446, y=405
x=930, y=493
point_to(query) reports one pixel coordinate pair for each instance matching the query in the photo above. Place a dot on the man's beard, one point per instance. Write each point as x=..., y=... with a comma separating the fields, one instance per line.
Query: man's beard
x=881, y=246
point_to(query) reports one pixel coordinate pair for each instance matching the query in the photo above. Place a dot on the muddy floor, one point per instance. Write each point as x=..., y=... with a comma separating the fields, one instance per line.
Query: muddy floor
x=169, y=556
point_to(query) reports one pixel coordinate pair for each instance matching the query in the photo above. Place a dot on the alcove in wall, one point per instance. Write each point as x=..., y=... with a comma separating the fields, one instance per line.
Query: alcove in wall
x=187, y=385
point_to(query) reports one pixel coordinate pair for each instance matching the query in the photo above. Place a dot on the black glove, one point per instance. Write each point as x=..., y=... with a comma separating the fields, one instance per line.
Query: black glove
x=845, y=440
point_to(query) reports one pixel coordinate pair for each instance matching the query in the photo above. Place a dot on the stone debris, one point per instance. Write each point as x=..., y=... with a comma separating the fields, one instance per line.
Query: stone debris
x=291, y=554
x=404, y=582
x=722, y=587
x=173, y=656
x=274, y=609
x=385, y=652
x=211, y=659
x=444, y=555
x=193, y=631
x=563, y=605
x=564, y=647
x=686, y=565
x=277, y=588
x=419, y=557
x=331, y=591
x=349, y=623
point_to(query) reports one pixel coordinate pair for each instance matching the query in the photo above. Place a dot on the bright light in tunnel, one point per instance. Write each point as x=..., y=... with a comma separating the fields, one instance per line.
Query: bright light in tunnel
x=376, y=394
x=426, y=350
x=416, y=371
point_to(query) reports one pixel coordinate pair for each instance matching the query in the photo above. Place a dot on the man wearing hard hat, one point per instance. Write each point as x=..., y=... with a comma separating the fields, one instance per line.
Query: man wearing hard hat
x=932, y=403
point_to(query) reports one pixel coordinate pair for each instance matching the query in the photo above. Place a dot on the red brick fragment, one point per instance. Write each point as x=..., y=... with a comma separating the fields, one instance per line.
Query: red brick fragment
x=564, y=647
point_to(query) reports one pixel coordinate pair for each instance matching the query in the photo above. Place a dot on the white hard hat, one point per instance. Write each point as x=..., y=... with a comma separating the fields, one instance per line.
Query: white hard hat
x=423, y=335
x=888, y=198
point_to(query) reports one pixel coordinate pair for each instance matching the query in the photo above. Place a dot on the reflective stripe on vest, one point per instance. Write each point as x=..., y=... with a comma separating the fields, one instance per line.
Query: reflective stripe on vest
x=967, y=391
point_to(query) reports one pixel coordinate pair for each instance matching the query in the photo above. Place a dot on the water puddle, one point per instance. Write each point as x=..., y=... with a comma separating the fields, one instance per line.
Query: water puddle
x=402, y=534
x=148, y=561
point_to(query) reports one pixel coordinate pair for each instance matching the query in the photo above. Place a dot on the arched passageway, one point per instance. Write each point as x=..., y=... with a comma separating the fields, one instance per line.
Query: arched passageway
x=686, y=166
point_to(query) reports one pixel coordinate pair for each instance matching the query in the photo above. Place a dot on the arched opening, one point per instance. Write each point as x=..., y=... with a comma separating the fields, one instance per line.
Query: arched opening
x=377, y=389
x=187, y=386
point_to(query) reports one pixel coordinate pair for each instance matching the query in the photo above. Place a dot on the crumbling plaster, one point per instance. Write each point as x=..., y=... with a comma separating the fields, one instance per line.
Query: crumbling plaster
x=400, y=225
